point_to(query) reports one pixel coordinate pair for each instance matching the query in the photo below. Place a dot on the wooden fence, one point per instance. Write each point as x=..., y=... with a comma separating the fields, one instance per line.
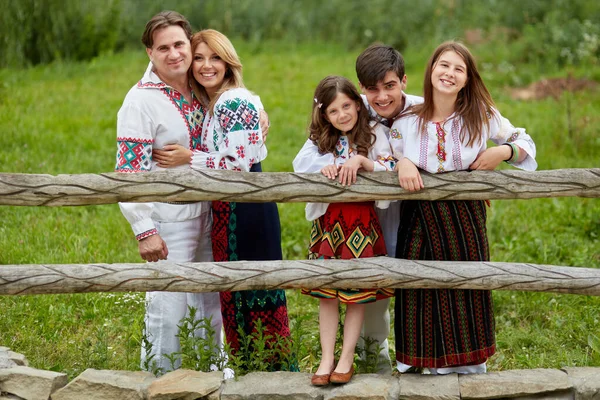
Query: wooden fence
x=87, y=189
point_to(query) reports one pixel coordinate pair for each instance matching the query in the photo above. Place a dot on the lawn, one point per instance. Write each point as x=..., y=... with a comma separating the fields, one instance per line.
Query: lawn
x=60, y=119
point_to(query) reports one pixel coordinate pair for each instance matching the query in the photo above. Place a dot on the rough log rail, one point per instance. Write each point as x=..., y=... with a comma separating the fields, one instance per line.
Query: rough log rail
x=242, y=275
x=107, y=188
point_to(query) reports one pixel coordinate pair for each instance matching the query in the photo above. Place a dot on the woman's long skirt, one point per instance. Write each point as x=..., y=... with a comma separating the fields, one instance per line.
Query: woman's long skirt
x=250, y=232
x=438, y=328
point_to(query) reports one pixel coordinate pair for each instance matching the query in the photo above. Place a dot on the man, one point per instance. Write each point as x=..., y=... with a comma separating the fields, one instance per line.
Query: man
x=161, y=110
x=380, y=72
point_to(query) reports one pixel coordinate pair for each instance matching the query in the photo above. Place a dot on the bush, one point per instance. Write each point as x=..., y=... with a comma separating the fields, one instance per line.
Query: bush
x=37, y=32
x=40, y=31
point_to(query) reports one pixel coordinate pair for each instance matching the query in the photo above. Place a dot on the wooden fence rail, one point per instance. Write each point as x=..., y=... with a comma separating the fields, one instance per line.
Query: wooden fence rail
x=243, y=275
x=107, y=188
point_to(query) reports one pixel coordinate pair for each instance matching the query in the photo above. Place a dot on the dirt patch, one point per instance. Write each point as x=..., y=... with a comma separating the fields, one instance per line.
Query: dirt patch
x=552, y=88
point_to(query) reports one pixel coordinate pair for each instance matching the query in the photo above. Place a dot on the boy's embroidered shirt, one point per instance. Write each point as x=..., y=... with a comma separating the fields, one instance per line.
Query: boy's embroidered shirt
x=231, y=137
x=409, y=101
x=152, y=116
x=439, y=148
x=309, y=160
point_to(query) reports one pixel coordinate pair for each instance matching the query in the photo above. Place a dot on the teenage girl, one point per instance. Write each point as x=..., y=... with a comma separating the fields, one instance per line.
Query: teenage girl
x=449, y=330
x=341, y=143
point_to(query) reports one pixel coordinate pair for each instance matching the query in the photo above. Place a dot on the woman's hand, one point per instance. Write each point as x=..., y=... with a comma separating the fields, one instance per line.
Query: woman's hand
x=172, y=155
x=265, y=124
x=490, y=158
x=349, y=170
x=409, y=176
x=330, y=171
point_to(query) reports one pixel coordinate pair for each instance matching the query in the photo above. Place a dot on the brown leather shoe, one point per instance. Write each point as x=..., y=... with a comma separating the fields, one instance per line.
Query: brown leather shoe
x=320, y=380
x=340, y=378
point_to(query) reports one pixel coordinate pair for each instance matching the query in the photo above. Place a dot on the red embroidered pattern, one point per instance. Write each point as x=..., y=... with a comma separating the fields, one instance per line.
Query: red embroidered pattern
x=210, y=162
x=146, y=234
x=253, y=137
x=441, y=147
x=240, y=151
x=150, y=85
x=134, y=155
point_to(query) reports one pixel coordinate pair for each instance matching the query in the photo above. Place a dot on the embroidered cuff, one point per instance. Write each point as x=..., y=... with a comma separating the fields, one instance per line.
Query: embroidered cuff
x=146, y=234
x=143, y=228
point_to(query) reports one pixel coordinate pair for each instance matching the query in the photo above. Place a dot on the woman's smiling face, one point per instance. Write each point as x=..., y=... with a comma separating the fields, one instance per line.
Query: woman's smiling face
x=208, y=68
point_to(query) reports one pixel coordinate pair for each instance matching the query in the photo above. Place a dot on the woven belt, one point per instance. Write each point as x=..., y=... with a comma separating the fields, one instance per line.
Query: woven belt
x=180, y=202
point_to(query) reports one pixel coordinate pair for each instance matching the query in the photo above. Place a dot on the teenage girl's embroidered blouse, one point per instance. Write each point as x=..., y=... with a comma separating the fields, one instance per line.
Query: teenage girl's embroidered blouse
x=439, y=148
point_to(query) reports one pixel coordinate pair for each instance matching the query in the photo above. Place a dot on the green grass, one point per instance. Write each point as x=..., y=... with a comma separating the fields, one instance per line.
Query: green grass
x=61, y=118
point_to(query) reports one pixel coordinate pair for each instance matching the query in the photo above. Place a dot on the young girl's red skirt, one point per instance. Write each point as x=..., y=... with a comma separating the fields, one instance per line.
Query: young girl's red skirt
x=346, y=231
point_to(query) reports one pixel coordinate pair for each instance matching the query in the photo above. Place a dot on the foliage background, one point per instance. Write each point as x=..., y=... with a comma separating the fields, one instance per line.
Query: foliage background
x=65, y=74
x=549, y=32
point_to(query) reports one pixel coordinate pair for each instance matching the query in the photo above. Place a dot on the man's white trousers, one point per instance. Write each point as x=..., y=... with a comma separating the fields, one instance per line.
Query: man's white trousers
x=186, y=241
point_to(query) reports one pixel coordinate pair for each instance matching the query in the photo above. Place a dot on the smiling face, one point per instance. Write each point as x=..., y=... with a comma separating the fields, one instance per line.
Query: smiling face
x=170, y=53
x=342, y=113
x=208, y=69
x=386, y=98
x=449, y=74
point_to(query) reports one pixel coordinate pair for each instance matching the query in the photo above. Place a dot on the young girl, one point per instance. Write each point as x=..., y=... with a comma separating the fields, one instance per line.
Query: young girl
x=449, y=330
x=342, y=142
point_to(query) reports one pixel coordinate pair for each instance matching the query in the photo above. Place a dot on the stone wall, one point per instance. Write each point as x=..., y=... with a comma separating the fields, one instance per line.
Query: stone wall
x=18, y=381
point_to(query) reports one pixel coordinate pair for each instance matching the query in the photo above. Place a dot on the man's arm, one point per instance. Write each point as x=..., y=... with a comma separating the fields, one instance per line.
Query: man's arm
x=134, y=155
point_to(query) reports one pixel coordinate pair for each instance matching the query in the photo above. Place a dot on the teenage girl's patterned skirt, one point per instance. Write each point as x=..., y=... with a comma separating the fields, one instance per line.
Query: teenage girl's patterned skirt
x=348, y=230
x=439, y=328
x=250, y=231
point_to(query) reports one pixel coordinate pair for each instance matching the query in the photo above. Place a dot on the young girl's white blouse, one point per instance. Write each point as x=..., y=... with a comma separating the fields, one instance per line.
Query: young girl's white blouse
x=439, y=148
x=309, y=160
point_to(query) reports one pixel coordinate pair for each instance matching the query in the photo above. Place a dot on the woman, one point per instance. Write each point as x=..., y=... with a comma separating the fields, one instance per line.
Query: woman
x=231, y=139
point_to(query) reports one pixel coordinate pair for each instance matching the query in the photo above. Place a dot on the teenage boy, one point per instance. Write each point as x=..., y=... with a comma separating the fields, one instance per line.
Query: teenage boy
x=380, y=72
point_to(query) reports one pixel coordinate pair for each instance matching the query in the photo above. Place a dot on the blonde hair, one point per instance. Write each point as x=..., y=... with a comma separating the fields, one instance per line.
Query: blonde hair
x=222, y=46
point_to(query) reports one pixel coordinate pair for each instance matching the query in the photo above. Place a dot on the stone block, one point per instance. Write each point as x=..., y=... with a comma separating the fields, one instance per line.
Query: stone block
x=6, y=362
x=364, y=387
x=18, y=359
x=512, y=384
x=429, y=387
x=560, y=395
x=185, y=385
x=95, y=384
x=585, y=381
x=271, y=386
x=31, y=383
x=10, y=397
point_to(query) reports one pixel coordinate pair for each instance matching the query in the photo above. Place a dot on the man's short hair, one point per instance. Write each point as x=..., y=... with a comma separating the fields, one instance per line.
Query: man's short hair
x=163, y=20
x=376, y=61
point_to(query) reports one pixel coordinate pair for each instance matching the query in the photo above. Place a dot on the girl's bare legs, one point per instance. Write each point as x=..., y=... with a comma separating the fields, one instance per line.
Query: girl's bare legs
x=355, y=314
x=328, y=326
